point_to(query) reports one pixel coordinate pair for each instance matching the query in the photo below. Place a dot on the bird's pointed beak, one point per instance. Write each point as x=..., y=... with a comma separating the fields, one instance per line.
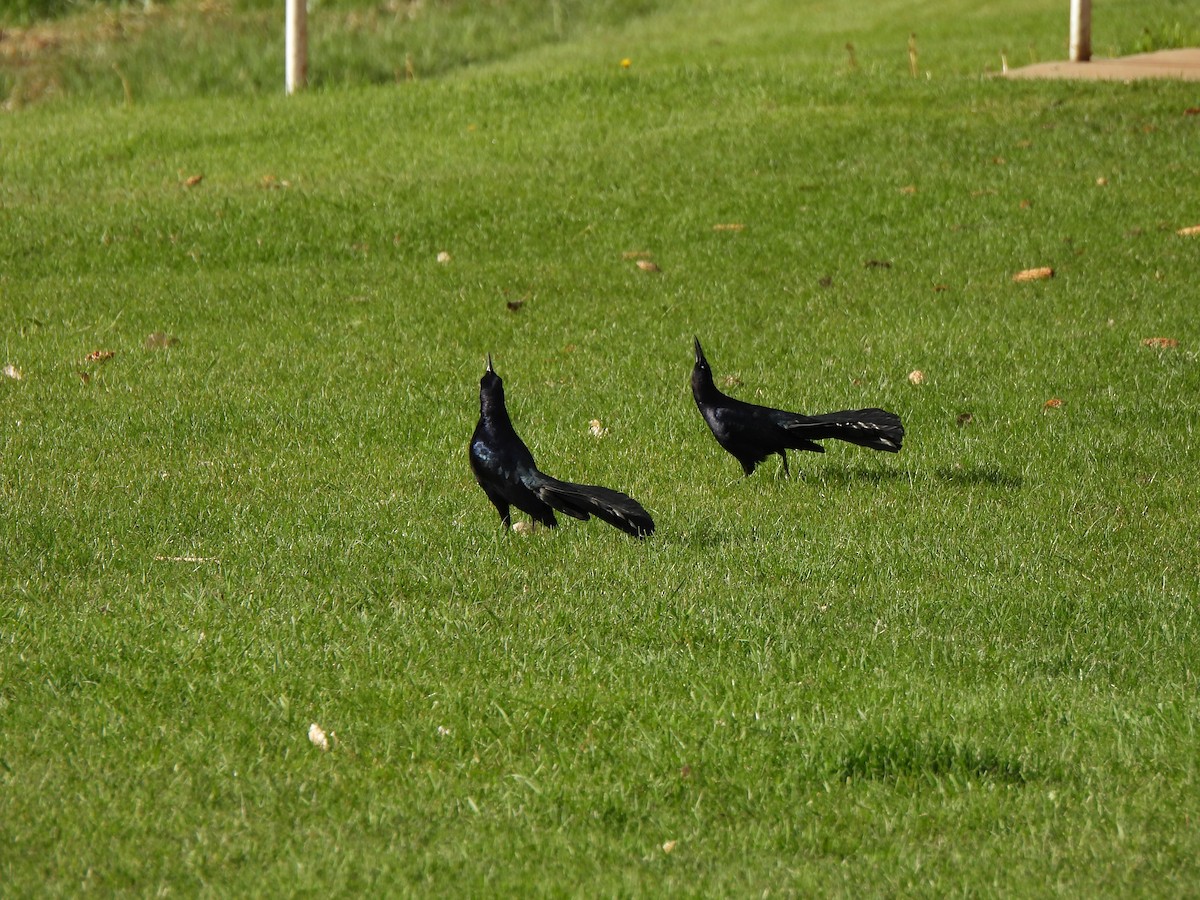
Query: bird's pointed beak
x=489, y=364
x=700, y=360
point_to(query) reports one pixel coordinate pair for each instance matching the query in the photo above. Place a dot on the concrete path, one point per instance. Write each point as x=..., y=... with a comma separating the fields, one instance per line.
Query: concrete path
x=1183, y=65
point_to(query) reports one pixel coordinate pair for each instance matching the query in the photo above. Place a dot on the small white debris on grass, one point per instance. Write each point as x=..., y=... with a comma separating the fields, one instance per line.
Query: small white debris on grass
x=668, y=846
x=443, y=257
x=523, y=527
x=316, y=734
x=597, y=429
x=11, y=371
x=443, y=731
x=916, y=376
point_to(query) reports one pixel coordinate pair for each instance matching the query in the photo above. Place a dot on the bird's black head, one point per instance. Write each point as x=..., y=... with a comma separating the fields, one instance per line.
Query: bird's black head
x=491, y=387
x=702, y=376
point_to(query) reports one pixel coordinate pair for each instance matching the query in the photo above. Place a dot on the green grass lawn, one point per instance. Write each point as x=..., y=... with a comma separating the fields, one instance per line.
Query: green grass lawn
x=969, y=669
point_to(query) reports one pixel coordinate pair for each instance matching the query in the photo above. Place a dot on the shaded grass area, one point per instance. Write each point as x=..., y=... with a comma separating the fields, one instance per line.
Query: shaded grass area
x=120, y=53
x=126, y=54
x=965, y=669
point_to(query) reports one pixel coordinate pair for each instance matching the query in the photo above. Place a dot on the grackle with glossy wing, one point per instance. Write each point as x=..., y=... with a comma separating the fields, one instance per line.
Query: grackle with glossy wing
x=505, y=470
x=752, y=433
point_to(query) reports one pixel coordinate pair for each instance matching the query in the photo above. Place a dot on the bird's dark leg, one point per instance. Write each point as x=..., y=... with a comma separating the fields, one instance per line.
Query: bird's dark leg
x=545, y=518
x=505, y=514
x=783, y=456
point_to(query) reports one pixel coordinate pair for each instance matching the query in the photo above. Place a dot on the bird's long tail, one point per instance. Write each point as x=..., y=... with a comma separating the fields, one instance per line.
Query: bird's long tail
x=877, y=429
x=583, y=500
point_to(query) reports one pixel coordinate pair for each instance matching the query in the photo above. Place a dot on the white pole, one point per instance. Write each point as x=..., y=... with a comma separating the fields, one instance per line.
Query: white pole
x=296, y=45
x=1081, y=30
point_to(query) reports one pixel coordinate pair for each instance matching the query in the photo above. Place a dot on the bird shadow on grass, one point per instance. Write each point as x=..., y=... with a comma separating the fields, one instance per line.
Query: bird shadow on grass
x=984, y=476
x=963, y=476
x=906, y=754
x=706, y=536
x=837, y=476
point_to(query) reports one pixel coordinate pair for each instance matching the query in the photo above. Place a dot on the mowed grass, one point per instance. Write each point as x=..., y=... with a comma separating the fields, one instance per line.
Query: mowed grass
x=971, y=668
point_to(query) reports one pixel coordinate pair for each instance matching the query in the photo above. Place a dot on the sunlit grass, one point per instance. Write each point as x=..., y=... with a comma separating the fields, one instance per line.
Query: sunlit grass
x=968, y=668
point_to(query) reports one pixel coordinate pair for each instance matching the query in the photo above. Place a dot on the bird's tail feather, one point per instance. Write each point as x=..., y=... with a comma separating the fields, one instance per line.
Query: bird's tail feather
x=877, y=429
x=583, y=500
